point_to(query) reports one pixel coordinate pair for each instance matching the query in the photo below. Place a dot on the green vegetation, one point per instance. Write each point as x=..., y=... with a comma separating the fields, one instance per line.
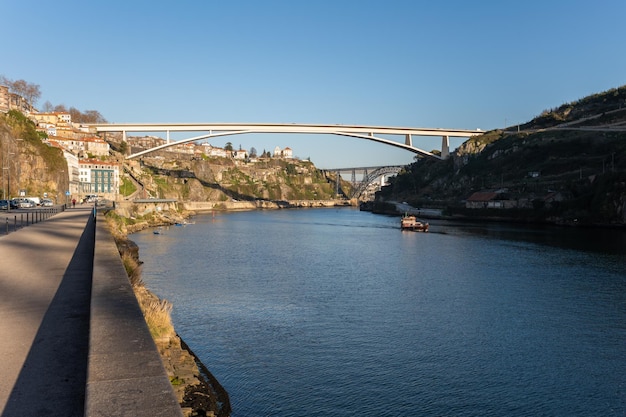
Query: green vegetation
x=127, y=187
x=23, y=128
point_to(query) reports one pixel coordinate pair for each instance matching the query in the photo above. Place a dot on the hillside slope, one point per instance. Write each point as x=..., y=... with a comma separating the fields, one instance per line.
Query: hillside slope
x=28, y=164
x=171, y=175
x=567, y=166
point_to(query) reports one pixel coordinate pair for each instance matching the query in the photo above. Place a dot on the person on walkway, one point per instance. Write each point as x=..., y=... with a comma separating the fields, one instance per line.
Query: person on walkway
x=73, y=203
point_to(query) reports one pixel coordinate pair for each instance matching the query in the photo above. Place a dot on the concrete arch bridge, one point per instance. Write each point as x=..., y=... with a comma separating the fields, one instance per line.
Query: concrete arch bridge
x=211, y=130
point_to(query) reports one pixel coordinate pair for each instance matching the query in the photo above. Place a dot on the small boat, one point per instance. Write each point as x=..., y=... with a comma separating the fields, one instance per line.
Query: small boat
x=410, y=222
x=157, y=231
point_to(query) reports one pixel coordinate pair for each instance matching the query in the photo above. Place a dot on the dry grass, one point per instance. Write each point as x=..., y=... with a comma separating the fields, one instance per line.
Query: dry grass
x=156, y=312
x=133, y=270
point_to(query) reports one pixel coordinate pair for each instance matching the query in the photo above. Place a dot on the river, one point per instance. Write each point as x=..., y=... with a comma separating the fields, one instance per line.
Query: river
x=336, y=312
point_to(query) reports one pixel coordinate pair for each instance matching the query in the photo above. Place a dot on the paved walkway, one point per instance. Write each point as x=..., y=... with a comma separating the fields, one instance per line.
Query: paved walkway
x=45, y=289
x=73, y=340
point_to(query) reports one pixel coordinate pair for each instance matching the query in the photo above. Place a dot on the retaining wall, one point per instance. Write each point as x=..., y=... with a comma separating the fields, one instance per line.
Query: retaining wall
x=125, y=375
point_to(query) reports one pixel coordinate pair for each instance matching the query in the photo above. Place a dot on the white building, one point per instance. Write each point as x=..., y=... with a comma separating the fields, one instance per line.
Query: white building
x=74, y=172
x=99, y=177
x=284, y=153
x=213, y=151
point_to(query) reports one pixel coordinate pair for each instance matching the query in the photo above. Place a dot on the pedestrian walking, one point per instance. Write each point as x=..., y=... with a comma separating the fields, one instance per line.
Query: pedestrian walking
x=73, y=203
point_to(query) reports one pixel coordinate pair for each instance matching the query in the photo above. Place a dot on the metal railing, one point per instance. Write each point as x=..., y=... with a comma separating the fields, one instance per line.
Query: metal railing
x=17, y=220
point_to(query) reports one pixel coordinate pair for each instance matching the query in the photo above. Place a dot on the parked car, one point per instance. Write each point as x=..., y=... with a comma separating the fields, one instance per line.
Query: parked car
x=46, y=202
x=35, y=200
x=7, y=204
x=24, y=202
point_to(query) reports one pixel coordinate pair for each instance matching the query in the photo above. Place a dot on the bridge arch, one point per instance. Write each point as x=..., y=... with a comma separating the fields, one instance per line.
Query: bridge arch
x=372, y=133
x=369, y=179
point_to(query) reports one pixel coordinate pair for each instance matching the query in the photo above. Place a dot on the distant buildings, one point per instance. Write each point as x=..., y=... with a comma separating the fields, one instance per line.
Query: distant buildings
x=86, y=174
x=88, y=170
x=140, y=143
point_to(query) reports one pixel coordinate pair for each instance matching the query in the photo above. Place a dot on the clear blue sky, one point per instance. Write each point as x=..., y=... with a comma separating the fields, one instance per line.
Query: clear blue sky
x=413, y=63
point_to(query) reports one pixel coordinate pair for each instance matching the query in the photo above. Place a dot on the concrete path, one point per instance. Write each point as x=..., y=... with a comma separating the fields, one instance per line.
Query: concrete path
x=45, y=289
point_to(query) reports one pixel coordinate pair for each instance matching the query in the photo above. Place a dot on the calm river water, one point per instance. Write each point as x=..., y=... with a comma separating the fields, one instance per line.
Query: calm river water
x=336, y=312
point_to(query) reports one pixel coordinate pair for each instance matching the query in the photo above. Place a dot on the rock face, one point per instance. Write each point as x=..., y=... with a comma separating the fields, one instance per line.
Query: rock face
x=223, y=179
x=34, y=167
x=195, y=393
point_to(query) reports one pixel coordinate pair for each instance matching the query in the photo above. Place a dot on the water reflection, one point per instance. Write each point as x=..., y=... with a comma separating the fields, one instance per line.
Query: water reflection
x=601, y=240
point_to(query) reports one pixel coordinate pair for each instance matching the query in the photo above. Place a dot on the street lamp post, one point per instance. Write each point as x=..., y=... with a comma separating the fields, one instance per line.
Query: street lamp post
x=60, y=184
x=8, y=168
x=4, y=184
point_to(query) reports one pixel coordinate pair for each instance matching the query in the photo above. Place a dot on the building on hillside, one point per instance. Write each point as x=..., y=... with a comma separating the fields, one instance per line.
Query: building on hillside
x=498, y=199
x=209, y=150
x=12, y=101
x=96, y=146
x=140, y=143
x=5, y=98
x=99, y=177
x=49, y=129
x=53, y=117
x=286, y=153
x=60, y=124
x=186, y=148
x=73, y=173
x=240, y=154
x=77, y=147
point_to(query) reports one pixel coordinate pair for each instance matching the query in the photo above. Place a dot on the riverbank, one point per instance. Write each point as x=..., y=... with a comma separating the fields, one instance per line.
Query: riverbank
x=198, y=392
x=394, y=208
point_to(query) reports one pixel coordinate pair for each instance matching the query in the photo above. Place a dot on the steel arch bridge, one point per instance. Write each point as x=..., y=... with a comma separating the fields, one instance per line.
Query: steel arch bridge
x=212, y=130
x=370, y=175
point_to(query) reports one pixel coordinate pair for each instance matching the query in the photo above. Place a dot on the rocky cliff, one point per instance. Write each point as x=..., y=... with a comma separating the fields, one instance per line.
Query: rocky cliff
x=185, y=178
x=28, y=163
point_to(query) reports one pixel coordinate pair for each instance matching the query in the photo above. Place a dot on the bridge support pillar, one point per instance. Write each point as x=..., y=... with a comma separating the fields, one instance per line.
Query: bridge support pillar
x=337, y=179
x=445, y=147
x=123, y=136
x=408, y=140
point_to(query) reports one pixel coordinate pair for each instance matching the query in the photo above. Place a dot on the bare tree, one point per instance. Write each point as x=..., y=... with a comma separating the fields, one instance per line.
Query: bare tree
x=28, y=91
x=32, y=93
x=93, y=116
x=47, y=107
x=89, y=116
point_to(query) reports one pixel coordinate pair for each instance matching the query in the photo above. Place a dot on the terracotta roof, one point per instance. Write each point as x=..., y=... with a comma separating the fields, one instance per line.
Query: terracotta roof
x=483, y=196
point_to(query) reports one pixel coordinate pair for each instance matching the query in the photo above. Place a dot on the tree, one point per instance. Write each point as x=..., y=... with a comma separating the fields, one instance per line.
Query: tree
x=253, y=152
x=93, y=116
x=47, y=107
x=30, y=92
x=229, y=146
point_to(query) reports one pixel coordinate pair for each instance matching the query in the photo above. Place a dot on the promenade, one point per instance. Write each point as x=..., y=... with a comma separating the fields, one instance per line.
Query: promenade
x=72, y=338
